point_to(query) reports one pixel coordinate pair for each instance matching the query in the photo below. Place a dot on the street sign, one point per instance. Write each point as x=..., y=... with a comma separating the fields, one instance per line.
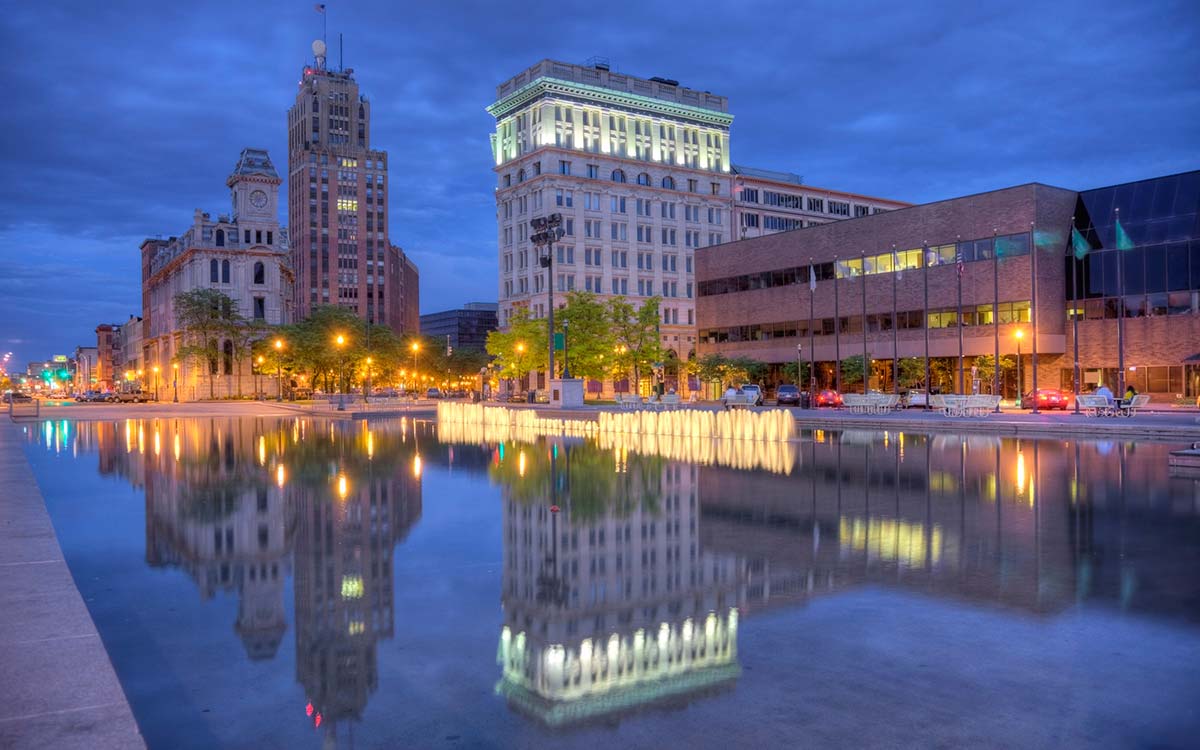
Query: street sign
x=558, y=342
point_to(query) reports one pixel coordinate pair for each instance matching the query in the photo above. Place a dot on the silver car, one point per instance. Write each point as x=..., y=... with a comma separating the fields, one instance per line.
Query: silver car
x=755, y=391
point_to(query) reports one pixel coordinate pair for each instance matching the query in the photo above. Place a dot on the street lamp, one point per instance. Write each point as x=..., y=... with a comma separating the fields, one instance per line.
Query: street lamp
x=546, y=230
x=1020, y=335
x=340, y=340
x=367, y=384
x=416, y=347
x=155, y=368
x=279, y=369
x=520, y=357
x=175, y=381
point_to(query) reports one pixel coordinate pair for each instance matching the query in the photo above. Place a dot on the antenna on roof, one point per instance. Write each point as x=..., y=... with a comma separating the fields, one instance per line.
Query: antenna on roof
x=340, y=68
x=597, y=62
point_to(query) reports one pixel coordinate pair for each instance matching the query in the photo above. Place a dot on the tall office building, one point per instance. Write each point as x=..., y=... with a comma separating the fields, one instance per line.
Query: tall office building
x=337, y=204
x=640, y=171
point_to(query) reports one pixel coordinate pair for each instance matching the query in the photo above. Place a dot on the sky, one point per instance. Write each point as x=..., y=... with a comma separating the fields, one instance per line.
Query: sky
x=124, y=117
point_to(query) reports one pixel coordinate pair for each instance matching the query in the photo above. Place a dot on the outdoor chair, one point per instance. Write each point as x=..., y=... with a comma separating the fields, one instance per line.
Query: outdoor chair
x=1096, y=406
x=1139, y=401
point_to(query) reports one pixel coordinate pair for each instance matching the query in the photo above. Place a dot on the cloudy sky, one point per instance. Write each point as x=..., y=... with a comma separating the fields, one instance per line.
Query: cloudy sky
x=125, y=116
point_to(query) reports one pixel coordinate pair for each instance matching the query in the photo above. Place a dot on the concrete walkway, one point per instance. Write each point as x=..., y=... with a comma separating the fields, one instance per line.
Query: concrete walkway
x=57, y=686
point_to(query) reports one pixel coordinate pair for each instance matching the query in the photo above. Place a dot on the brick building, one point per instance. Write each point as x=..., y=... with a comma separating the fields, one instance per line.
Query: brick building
x=756, y=298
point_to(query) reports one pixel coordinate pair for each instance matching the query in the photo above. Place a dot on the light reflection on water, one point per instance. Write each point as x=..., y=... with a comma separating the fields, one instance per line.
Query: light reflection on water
x=625, y=572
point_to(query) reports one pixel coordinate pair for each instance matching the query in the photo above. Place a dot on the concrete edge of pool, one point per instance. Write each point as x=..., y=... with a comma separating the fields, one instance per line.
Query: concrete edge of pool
x=58, y=688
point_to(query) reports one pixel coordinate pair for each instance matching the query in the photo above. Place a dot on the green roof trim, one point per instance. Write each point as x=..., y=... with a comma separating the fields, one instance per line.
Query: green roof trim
x=546, y=84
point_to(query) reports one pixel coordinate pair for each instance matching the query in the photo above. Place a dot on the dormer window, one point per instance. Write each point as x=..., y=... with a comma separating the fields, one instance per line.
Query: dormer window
x=220, y=238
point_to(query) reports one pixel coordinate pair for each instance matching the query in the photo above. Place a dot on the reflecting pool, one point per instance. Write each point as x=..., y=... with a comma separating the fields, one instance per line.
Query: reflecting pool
x=301, y=583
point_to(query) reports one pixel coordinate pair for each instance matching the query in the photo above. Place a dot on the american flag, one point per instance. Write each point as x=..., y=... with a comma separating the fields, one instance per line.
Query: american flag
x=958, y=260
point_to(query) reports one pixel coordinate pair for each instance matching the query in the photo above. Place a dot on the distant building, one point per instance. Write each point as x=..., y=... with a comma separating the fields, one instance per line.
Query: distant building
x=465, y=328
x=244, y=255
x=129, y=334
x=87, y=363
x=337, y=205
x=108, y=348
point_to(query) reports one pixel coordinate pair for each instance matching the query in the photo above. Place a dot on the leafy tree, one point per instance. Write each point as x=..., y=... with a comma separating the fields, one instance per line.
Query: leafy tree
x=590, y=338
x=636, y=339
x=790, y=374
x=943, y=371
x=852, y=370
x=985, y=365
x=520, y=349
x=206, y=316
x=912, y=371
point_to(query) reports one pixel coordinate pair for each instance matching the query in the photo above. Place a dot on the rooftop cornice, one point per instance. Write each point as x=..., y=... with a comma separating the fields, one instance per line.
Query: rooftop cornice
x=548, y=85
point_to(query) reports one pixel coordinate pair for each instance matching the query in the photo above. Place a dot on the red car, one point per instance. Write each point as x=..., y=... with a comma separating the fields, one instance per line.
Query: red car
x=828, y=397
x=1047, y=398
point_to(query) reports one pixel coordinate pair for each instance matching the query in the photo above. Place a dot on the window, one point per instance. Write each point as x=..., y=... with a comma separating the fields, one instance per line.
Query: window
x=618, y=175
x=668, y=210
x=260, y=308
x=668, y=236
x=212, y=271
x=220, y=238
x=839, y=208
x=618, y=205
x=620, y=231
x=714, y=216
x=750, y=220
x=564, y=198
x=564, y=167
x=260, y=273
x=816, y=204
x=593, y=171
x=224, y=272
x=643, y=179
x=749, y=195
x=716, y=188
x=247, y=236
x=270, y=237
x=668, y=183
x=521, y=175
x=861, y=210
x=692, y=186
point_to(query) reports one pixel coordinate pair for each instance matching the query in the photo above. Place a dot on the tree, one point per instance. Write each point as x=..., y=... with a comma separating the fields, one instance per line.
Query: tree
x=912, y=371
x=852, y=370
x=943, y=371
x=590, y=338
x=789, y=372
x=635, y=333
x=985, y=366
x=520, y=349
x=206, y=316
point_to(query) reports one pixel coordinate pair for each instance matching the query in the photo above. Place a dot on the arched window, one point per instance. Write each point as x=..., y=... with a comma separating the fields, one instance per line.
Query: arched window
x=220, y=238
x=643, y=179
x=212, y=271
x=224, y=272
x=618, y=175
x=521, y=175
x=668, y=183
x=227, y=358
x=260, y=273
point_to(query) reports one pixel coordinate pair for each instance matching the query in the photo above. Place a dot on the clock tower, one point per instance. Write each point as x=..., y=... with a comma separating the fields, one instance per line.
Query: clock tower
x=254, y=187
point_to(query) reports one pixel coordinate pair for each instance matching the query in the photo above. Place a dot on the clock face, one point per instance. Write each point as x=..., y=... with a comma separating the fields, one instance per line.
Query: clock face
x=258, y=199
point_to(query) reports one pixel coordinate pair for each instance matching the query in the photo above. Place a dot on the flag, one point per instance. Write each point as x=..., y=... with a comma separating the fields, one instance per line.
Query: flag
x=320, y=7
x=1123, y=241
x=896, y=264
x=812, y=278
x=958, y=260
x=1079, y=244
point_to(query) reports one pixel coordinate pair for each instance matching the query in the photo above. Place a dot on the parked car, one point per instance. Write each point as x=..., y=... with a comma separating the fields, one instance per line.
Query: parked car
x=753, y=390
x=385, y=392
x=916, y=397
x=136, y=397
x=1046, y=398
x=433, y=393
x=16, y=397
x=828, y=397
x=787, y=394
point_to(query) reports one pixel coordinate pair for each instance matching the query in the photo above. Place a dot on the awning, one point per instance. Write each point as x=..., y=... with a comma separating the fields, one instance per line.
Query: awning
x=1194, y=358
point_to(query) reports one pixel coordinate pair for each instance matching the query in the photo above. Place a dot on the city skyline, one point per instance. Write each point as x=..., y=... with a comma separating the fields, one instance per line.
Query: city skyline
x=859, y=111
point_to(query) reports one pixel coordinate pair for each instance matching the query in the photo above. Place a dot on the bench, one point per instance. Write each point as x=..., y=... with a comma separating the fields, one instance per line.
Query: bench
x=1130, y=409
x=1096, y=406
x=739, y=401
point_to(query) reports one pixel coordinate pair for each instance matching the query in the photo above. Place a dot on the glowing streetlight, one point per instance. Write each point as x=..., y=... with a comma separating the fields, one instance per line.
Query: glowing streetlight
x=415, y=347
x=155, y=369
x=175, y=381
x=279, y=369
x=340, y=341
x=1020, y=334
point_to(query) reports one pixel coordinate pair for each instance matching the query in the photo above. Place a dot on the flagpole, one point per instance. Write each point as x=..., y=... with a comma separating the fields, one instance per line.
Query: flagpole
x=958, y=270
x=925, y=277
x=895, y=343
x=996, y=320
x=1033, y=309
x=1120, y=310
x=1075, y=312
x=866, y=355
x=837, y=330
x=812, y=352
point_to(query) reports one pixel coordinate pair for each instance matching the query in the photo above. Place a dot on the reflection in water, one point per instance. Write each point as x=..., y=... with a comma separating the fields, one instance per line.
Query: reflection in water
x=609, y=602
x=237, y=503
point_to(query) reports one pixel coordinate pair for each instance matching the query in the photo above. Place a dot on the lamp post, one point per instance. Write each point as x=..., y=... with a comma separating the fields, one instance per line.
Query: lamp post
x=1020, y=335
x=367, y=384
x=546, y=230
x=175, y=381
x=279, y=369
x=520, y=357
x=340, y=341
x=155, y=368
x=415, y=347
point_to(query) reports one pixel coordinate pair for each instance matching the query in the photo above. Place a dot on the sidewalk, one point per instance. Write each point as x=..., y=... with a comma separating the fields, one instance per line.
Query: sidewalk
x=57, y=686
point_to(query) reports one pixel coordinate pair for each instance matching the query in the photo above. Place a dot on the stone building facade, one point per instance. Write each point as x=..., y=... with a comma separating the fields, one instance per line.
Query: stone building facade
x=244, y=255
x=640, y=170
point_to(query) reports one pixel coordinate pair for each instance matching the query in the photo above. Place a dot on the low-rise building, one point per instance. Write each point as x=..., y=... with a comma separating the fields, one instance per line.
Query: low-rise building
x=243, y=255
x=465, y=328
x=956, y=279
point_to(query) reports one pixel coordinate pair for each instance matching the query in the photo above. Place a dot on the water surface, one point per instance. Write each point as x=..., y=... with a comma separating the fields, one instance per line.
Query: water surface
x=295, y=583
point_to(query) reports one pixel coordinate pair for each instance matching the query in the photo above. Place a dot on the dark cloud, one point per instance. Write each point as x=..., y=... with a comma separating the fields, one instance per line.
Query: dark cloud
x=126, y=116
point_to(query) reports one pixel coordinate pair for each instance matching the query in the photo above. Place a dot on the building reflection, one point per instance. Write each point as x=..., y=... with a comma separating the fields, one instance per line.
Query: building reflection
x=239, y=505
x=610, y=603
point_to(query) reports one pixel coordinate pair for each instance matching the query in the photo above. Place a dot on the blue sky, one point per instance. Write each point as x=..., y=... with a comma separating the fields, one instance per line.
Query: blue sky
x=124, y=116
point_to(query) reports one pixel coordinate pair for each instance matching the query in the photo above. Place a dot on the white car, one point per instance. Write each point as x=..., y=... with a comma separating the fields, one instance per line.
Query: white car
x=916, y=397
x=755, y=391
